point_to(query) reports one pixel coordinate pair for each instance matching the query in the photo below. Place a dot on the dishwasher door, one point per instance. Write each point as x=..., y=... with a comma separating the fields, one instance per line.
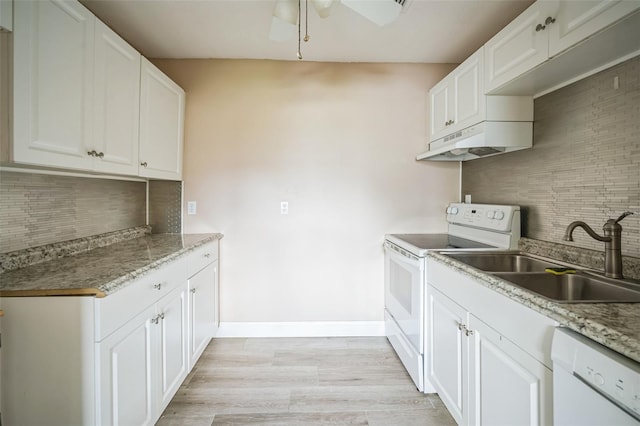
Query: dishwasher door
x=592, y=385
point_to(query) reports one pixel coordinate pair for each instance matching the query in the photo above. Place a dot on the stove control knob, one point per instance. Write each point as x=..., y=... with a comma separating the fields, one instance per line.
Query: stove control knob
x=491, y=214
x=448, y=210
x=598, y=379
x=499, y=215
x=454, y=210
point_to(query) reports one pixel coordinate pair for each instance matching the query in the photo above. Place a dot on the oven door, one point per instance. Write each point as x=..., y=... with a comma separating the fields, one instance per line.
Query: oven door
x=403, y=293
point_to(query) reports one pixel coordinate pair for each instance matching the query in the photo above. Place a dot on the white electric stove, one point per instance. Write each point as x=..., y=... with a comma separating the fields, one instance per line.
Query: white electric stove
x=482, y=227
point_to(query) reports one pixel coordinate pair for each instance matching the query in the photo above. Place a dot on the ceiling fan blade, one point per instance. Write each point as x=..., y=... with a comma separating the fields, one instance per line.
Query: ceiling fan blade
x=287, y=10
x=325, y=7
x=380, y=12
x=284, y=20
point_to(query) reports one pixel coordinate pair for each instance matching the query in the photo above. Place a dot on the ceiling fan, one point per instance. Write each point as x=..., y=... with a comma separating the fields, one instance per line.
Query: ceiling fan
x=286, y=14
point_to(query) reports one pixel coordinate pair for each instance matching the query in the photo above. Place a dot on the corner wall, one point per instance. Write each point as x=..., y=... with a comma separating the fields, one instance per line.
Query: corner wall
x=338, y=143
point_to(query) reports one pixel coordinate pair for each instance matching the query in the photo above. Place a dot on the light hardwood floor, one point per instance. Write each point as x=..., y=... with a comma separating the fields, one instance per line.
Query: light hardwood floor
x=302, y=381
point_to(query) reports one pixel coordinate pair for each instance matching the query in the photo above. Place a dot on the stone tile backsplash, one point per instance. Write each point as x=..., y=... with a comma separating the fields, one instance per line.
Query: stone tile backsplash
x=584, y=164
x=165, y=206
x=38, y=209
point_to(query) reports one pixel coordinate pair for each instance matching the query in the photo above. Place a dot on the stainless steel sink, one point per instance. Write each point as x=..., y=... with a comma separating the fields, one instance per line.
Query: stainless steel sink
x=502, y=262
x=581, y=287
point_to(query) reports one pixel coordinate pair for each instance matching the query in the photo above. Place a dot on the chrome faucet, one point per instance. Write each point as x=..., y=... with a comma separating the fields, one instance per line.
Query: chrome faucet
x=612, y=243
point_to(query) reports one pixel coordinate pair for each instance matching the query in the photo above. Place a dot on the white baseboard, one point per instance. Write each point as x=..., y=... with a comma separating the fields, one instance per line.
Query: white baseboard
x=302, y=329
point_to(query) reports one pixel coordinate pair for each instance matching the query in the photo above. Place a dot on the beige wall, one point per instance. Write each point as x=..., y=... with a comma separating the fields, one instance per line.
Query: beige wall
x=338, y=142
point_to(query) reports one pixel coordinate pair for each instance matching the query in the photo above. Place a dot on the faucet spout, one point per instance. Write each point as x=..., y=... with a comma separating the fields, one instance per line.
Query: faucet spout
x=568, y=235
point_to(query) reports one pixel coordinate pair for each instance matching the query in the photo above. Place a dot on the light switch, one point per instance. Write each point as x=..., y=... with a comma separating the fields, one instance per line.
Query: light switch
x=191, y=207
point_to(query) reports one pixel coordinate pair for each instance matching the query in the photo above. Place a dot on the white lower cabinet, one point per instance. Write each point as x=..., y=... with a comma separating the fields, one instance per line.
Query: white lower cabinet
x=173, y=364
x=487, y=356
x=203, y=315
x=506, y=385
x=447, y=350
x=126, y=395
x=112, y=361
x=144, y=362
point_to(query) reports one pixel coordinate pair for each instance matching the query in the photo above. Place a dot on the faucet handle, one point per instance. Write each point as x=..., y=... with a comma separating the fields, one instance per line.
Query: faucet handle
x=623, y=215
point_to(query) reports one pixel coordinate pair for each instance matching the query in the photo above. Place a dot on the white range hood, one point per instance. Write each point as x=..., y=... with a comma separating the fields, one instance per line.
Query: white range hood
x=484, y=139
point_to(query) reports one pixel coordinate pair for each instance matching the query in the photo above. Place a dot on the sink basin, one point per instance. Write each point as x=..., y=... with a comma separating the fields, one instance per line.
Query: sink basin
x=575, y=288
x=502, y=262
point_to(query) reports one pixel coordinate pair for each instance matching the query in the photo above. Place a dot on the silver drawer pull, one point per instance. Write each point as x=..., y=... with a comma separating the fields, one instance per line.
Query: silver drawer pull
x=155, y=319
x=157, y=286
x=193, y=290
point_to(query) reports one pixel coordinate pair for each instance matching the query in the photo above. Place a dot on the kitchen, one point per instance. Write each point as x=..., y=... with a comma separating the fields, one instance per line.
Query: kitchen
x=335, y=169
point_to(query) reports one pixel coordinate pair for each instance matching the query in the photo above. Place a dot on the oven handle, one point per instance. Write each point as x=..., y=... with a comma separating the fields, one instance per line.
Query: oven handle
x=402, y=255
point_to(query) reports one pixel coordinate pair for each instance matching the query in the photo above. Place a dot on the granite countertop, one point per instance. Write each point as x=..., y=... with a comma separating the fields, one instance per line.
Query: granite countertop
x=614, y=325
x=101, y=271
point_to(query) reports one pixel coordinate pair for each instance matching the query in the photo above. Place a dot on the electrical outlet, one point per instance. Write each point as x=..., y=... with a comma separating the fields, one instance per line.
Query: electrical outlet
x=284, y=207
x=191, y=207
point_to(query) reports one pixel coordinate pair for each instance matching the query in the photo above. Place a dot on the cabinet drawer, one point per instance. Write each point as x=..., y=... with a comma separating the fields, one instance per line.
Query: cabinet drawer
x=201, y=257
x=116, y=309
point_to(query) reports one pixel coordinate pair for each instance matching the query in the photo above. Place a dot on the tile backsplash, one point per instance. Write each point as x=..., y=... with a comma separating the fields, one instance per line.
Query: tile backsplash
x=584, y=164
x=38, y=209
x=165, y=206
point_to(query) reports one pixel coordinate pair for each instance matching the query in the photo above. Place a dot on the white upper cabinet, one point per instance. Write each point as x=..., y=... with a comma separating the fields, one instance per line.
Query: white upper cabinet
x=6, y=15
x=577, y=20
x=53, y=83
x=161, y=124
x=520, y=46
x=116, y=103
x=549, y=28
x=78, y=92
x=458, y=100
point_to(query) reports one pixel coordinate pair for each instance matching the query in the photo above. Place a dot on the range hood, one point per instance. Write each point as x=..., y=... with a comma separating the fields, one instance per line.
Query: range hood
x=481, y=140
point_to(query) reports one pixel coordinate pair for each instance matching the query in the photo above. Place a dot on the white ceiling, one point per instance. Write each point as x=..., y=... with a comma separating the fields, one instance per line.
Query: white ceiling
x=428, y=31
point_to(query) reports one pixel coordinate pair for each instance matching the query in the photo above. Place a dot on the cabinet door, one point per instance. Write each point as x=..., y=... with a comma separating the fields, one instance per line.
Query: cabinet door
x=519, y=47
x=116, y=103
x=441, y=109
x=577, y=20
x=203, y=310
x=6, y=15
x=507, y=385
x=173, y=363
x=447, y=352
x=126, y=393
x=469, y=105
x=53, y=81
x=161, y=124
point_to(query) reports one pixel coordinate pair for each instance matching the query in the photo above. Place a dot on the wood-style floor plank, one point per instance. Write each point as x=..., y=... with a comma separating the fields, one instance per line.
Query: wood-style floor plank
x=302, y=381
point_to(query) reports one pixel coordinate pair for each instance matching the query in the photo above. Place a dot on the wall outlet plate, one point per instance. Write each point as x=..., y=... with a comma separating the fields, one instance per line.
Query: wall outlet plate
x=191, y=207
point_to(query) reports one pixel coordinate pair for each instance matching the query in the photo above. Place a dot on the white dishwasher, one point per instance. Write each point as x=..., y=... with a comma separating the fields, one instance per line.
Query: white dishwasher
x=592, y=385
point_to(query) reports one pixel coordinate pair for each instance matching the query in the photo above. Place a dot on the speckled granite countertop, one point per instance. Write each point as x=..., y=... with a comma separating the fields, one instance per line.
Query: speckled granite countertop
x=614, y=325
x=101, y=271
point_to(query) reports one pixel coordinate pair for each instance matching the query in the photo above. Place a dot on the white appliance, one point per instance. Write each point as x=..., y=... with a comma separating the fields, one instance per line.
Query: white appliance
x=471, y=227
x=481, y=140
x=592, y=385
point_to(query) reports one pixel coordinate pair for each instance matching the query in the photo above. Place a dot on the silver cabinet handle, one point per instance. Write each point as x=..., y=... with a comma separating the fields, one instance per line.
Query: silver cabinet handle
x=161, y=316
x=157, y=286
x=460, y=325
x=193, y=290
x=92, y=153
x=143, y=164
x=155, y=319
x=540, y=27
x=100, y=155
x=207, y=255
x=549, y=20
